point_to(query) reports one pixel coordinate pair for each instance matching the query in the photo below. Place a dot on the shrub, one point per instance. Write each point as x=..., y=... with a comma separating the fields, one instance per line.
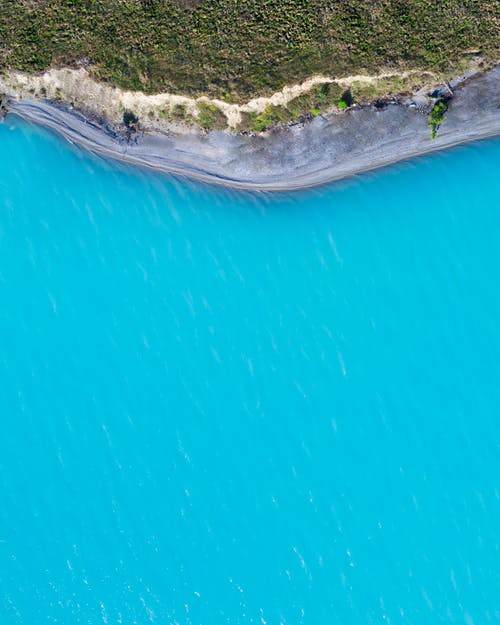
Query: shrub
x=437, y=117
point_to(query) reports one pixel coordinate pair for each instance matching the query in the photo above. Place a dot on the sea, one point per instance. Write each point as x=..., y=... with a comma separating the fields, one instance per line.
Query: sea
x=232, y=408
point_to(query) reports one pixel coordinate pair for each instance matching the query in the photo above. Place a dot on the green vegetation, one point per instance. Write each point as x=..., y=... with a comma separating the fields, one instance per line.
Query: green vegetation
x=437, y=117
x=236, y=48
x=272, y=116
x=383, y=87
x=176, y=113
x=210, y=117
x=179, y=112
x=320, y=98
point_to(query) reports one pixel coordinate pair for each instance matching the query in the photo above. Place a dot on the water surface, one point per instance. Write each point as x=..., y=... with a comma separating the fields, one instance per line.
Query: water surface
x=224, y=408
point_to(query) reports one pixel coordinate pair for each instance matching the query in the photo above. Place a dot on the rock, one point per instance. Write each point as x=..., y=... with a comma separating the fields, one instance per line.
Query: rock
x=3, y=109
x=441, y=91
x=421, y=103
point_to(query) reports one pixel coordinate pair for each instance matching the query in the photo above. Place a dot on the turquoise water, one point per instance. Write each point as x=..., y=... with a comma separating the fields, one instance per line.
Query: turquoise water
x=223, y=408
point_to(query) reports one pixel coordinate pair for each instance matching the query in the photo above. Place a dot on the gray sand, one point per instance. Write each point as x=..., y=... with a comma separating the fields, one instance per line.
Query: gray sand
x=328, y=148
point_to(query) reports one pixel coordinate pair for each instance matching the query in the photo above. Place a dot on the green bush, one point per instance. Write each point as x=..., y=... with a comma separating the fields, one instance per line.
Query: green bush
x=437, y=117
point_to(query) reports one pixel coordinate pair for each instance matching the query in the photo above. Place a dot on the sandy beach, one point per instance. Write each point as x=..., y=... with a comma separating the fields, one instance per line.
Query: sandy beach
x=328, y=148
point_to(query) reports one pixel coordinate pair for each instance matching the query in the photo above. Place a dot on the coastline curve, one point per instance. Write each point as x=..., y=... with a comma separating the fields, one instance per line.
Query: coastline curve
x=329, y=148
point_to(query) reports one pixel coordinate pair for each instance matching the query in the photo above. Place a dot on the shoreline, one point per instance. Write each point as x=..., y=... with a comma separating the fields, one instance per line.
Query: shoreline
x=328, y=148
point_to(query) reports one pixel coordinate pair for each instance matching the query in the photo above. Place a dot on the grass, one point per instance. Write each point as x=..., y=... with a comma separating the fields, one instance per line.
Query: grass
x=383, y=87
x=210, y=117
x=233, y=49
x=272, y=116
x=319, y=99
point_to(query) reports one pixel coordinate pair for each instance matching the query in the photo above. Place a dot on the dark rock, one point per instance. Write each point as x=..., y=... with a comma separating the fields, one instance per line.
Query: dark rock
x=3, y=109
x=347, y=97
